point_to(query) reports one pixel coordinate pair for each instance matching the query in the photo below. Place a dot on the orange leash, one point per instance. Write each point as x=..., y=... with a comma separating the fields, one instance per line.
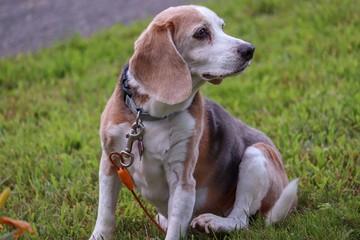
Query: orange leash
x=126, y=179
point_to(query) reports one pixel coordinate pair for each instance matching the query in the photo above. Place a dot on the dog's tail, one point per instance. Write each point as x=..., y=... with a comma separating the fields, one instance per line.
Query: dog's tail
x=283, y=205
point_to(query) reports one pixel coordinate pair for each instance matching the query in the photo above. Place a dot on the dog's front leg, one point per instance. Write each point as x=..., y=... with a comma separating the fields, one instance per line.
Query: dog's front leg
x=181, y=201
x=109, y=186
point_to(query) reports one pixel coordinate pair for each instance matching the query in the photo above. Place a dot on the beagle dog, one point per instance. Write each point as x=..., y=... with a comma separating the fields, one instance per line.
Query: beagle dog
x=199, y=166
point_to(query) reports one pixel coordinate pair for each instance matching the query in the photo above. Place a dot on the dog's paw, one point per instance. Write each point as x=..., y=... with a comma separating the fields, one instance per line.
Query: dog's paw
x=102, y=233
x=210, y=222
x=160, y=219
x=100, y=236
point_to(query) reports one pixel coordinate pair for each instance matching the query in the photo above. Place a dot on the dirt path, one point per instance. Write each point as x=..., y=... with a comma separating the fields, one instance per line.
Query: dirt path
x=26, y=25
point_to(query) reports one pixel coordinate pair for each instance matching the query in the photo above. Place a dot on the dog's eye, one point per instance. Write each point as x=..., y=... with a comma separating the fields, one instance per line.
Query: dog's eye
x=201, y=34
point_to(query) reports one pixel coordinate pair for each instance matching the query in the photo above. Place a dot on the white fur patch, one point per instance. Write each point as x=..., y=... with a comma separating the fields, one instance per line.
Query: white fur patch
x=108, y=194
x=165, y=142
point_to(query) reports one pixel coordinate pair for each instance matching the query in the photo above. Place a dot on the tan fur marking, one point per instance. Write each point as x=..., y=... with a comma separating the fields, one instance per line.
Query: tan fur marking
x=157, y=64
x=140, y=99
x=115, y=113
x=197, y=111
x=272, y=154
x=203, y=169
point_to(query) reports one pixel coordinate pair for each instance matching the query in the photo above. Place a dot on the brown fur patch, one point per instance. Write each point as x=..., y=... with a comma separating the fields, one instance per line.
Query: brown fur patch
x=201, y=173
x=196, y=109
x=140, y=99
x=217, y=201
x=157, y=64
x=115, y=112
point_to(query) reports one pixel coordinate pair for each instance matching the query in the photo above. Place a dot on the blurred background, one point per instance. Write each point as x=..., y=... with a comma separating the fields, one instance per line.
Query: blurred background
x=302, y=90
x=26, y=25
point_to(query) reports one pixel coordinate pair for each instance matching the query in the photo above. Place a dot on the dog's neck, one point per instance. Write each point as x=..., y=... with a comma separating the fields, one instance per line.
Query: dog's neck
x=156, y=108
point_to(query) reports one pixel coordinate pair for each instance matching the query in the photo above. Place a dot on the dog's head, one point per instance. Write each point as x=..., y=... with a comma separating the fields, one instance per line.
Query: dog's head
x=182, y=47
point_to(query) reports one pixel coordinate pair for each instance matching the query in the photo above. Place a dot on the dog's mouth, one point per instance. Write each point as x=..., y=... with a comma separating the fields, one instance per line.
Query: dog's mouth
x=219, y=77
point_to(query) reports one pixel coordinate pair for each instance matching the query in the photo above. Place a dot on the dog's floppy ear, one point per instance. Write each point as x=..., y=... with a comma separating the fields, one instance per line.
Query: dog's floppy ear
x=158, y=66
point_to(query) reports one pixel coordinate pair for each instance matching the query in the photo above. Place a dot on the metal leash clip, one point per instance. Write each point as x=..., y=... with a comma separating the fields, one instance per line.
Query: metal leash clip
x=137, y=132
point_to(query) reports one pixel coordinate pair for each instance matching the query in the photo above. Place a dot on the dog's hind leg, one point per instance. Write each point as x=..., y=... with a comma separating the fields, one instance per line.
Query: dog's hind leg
x=253, y=184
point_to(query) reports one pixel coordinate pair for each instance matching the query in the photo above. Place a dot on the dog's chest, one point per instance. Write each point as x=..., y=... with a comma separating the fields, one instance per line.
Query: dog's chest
x=165, y=143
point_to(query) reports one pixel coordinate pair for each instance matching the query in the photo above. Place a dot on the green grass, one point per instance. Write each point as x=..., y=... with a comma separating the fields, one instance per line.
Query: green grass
x=302, y=89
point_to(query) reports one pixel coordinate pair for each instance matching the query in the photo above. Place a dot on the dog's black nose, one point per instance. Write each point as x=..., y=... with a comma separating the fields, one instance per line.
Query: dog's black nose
x=246, y=51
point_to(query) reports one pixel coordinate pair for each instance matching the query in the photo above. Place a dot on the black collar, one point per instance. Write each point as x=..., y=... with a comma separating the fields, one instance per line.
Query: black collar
x=145, y=116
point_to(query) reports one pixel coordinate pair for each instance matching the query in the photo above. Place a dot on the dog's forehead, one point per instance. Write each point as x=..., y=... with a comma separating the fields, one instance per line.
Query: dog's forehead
x=178, y=15
x=209, y=15
x=187, y=15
